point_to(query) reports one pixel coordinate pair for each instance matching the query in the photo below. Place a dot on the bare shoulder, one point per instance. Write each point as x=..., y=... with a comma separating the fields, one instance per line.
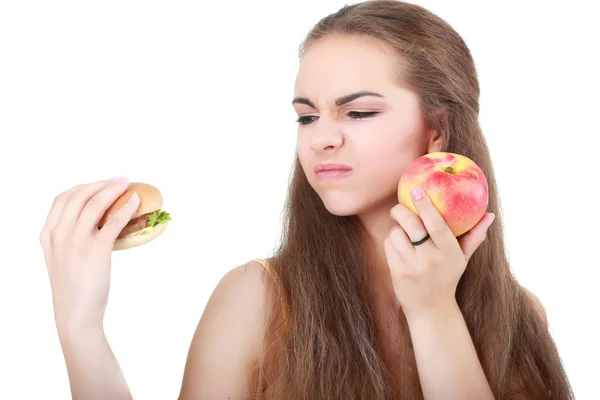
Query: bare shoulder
x=536, y=302
x=229, y=336
x=251, y=276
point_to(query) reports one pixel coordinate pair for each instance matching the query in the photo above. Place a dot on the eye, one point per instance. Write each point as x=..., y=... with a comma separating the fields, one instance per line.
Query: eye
x=361, y=114
x=306, y=119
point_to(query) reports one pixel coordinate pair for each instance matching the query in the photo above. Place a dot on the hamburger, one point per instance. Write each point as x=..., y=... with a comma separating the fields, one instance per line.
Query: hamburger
x=146, y=224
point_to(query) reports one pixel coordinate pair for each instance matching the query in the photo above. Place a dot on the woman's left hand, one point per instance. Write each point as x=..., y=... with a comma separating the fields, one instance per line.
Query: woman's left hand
x=425, y=276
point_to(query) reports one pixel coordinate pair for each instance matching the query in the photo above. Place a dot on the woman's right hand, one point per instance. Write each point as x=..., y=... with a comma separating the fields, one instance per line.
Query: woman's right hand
x=78, y=254
x=227, y=341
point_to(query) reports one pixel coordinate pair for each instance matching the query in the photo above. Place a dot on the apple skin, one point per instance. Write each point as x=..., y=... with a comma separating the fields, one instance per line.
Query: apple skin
x=455, y=184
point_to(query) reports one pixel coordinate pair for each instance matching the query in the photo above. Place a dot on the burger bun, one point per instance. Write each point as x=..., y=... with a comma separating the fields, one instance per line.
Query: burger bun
x=151, y=200
x=135, y=241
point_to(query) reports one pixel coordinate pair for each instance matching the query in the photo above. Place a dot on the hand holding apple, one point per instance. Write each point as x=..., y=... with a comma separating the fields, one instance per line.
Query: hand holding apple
x=442, y=196
x=455, y=184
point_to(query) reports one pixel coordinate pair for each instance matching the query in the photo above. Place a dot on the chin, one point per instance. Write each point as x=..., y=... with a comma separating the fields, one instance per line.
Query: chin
x=347, y=204
x=342, y=205
x=340, y=210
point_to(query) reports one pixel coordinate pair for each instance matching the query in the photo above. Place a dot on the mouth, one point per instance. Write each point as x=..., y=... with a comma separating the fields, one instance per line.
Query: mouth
x=328, y=172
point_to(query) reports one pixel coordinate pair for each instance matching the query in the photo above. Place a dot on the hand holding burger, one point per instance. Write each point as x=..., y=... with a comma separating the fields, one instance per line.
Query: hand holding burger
x=85, y=224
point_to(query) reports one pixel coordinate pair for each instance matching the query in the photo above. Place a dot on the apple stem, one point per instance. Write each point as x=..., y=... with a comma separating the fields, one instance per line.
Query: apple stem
x=448, y=170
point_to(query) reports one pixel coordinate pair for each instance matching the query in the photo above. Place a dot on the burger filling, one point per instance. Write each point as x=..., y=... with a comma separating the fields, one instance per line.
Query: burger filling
x=144, y=224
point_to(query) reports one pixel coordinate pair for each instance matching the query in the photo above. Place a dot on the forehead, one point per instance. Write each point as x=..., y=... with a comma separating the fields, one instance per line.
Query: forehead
x=338, y=65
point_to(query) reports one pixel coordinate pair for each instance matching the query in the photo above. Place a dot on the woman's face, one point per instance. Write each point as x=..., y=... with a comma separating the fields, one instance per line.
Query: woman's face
x=374, y=135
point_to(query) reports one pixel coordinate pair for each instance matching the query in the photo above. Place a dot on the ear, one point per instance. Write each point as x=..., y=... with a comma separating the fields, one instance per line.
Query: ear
x=436, y=141
x=435, y=138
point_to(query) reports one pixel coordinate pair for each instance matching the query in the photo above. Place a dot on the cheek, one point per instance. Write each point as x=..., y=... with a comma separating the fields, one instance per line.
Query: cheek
x=305, y=156
x=304, y=152
x=388, y=156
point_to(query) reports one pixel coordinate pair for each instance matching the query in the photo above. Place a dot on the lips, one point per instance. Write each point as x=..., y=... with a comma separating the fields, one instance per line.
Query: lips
x=332, y=171
x=332, y=167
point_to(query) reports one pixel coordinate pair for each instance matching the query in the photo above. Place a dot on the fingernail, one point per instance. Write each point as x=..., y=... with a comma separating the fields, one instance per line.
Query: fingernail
x=134, y=198
x=121, y=179
x=416, y=193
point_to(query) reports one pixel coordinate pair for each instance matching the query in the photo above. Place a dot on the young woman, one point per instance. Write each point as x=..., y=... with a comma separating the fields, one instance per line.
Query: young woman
x=354, y=304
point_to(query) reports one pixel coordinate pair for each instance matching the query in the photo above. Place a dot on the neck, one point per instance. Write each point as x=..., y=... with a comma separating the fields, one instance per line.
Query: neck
x=378, y=223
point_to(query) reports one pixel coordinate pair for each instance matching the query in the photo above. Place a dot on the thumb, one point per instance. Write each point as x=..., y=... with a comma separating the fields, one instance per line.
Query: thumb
x=118, y=220
x=470, y=241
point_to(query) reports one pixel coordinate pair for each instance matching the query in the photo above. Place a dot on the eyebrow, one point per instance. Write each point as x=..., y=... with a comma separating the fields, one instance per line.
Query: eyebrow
x=339, y=101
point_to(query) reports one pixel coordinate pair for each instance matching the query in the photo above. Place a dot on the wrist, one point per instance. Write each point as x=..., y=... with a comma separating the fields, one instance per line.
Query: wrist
x=76, y=321
x=440, y=313
x=74, y=332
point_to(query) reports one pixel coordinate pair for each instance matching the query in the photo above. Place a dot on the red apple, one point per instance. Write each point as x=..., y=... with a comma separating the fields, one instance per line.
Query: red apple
x=456, y=186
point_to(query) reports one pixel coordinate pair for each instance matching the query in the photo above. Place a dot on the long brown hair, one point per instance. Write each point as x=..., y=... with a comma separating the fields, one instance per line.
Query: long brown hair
x=330, y=346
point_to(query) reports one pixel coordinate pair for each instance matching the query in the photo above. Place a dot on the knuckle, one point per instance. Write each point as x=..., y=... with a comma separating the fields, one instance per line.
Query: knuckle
x=58, y=199
x=59, y=235
x=406, y=273
x=62, y=197
x=416, y=275
x=74, y=189
x=399, y=211
x=432, y=259
x=438, y=261
x=395, y=233
x=43, y=233
x=44, y=238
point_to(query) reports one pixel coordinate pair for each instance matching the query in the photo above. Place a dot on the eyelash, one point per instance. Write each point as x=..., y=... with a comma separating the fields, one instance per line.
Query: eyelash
x=357, y=115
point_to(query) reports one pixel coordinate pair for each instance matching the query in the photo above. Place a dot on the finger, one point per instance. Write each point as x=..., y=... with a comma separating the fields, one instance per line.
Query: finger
x=53, y=217
x=393, y=257
x=57, y=208
x=411, y=224
x=96, y=206
x=401, y=244
x=115, y=224
x=470, y=241
x=435, y=225
x=76, y=203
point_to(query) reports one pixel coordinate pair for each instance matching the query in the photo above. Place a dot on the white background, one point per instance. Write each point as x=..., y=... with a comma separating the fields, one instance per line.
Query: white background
x=194, y=97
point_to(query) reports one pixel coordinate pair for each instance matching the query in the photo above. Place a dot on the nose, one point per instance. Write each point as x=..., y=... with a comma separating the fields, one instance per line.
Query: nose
x=327, y=136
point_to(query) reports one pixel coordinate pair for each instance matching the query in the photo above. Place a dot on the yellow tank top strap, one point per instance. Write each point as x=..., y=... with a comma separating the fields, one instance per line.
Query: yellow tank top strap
x=272, y=272
x=265, y=264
